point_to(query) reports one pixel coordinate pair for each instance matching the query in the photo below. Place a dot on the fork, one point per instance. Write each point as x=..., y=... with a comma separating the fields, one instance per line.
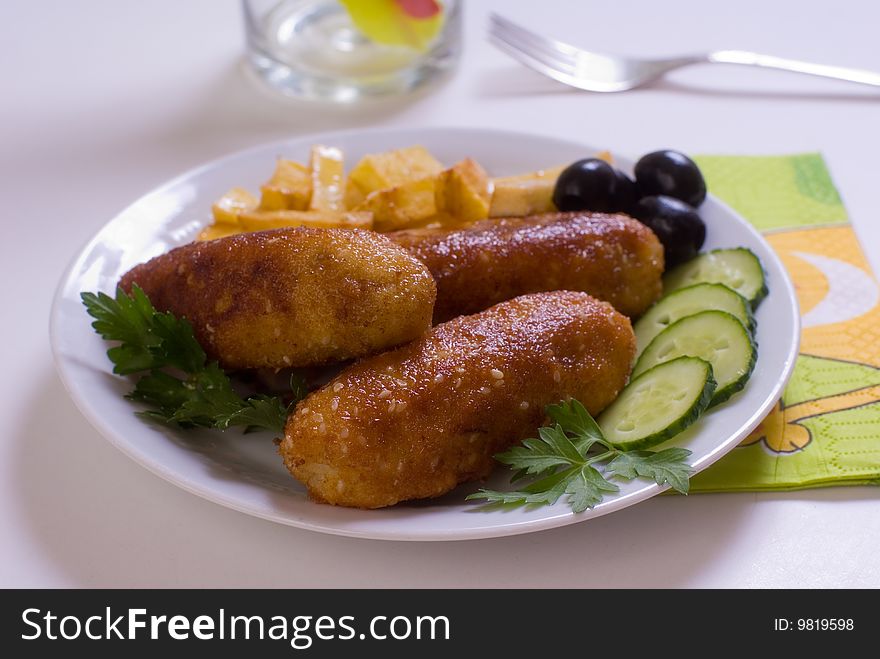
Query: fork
x=596, y=72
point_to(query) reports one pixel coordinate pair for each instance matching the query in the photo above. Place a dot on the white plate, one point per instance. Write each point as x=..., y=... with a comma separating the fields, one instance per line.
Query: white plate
x=243, y=471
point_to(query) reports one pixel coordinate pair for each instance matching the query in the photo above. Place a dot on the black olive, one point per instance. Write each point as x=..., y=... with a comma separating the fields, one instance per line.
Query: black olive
x=677, y=225
x=624, y=193
x=672, y=174
x=586, y=185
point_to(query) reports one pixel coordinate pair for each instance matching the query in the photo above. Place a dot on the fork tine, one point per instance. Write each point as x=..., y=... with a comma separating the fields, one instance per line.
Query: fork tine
x=546, y=62
x=548, y=45
x=534, y=64
x=550, y=60
x=531, y=43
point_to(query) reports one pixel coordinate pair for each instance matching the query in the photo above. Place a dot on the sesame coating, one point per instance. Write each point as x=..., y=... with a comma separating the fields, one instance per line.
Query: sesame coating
x=612, y=257
x=292, y=297
x=445, y=431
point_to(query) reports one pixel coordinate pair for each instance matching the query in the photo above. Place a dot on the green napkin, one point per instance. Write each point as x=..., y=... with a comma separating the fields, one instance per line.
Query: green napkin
x=826, y=429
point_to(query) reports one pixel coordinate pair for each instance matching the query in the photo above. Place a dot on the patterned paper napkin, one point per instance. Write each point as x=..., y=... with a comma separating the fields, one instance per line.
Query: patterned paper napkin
x=826, y=429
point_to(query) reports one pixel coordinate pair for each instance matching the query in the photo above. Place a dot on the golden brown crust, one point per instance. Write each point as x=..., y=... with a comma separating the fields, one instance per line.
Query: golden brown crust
x=292, y=297
x=414, y=422
x=612, y=257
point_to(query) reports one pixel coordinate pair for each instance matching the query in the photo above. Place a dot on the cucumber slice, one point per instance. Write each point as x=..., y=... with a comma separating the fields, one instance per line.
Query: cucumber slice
x=736, y=268
x=716, y=336
x=658, y=404
x=688, y=301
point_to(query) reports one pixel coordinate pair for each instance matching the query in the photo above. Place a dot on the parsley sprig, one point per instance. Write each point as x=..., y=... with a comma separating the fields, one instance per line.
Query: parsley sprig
x=179, y=386
x=563, y=461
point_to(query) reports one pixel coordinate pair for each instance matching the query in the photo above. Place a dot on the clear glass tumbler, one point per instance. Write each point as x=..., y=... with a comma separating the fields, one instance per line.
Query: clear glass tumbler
x=344, y=50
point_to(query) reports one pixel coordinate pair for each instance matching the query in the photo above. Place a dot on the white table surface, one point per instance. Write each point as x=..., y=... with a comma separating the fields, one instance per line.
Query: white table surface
x=103, y=100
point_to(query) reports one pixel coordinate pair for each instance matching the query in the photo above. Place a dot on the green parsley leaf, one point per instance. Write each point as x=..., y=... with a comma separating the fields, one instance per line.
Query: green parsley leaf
x=536, y=456
x=212, y=398
x=666, y=466
x=149, y=339
x=163, y=392
x=261, y=412
x=124, y=320
x=575, y=420
x=152, y=342
x=586, y=488
x=554, y=449
x=298, y=388
x=557, y=440
x=544, y=491
x=560, y=463
x=177, y=343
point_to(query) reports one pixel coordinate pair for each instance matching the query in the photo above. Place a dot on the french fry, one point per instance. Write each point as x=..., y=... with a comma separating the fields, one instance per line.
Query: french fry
x=327, y=172
x=466, y=192
x=226, y=209
x=290, y=187
x=529, y=194
x=404, y=205
x=260, y=220
x=457, y=195
x=388, y=170
x=524, y=194
x=399, y=189
x=215, y=231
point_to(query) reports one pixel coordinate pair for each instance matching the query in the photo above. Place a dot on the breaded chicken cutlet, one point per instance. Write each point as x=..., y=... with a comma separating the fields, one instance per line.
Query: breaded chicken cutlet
x=612, y=257
x=414, y=422
x=292, y=297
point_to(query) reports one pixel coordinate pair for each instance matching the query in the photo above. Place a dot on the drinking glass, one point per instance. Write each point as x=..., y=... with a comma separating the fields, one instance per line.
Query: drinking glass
x=345, y=50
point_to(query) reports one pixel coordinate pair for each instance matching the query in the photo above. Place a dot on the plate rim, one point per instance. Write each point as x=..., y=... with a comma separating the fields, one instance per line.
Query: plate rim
x=492, y=531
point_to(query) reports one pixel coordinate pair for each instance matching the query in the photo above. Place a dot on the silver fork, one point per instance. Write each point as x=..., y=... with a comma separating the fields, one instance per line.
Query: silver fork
x=610, y=73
